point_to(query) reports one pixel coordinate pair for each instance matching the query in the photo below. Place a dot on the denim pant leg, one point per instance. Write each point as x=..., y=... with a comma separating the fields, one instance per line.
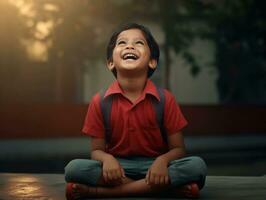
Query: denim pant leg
x=187, y=170
x=83, y=171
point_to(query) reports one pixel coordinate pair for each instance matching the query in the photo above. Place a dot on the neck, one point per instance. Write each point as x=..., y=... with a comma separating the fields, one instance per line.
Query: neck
x=132, y=86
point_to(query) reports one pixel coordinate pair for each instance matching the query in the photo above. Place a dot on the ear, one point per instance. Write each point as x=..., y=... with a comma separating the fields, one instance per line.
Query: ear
x=152, y=64
x=110, y=65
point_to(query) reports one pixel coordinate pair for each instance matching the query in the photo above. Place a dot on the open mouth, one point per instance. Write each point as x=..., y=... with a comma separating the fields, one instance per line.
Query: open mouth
x=130, y=56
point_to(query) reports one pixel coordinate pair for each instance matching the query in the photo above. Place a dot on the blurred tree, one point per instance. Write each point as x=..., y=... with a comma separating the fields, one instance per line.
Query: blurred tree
x=77, y=39
x=68, y=38
x=239, y=32
x=79, y=36
x=238, y=29
x=179, y=22
x=74, y=42
x=12, y=53
x=73, y=36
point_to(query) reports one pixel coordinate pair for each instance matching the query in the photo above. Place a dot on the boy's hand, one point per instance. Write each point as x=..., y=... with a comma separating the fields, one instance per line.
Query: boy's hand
x=112, y=170
x=158, y=173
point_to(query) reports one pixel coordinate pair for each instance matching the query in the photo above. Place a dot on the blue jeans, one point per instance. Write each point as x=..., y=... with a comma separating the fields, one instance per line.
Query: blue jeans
x=181, y=171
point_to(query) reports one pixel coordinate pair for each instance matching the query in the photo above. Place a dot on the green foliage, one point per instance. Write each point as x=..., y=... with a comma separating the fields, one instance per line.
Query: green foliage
x=239, y=29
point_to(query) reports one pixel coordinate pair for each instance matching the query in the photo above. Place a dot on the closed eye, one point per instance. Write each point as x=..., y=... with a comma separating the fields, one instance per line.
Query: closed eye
x=140, y=42
x=121, y=42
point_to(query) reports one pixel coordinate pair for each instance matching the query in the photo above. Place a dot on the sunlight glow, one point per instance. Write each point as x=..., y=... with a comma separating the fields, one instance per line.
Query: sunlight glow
x=37, y=46
x=37, y=50
x=23, y=179
x=23, y=187
x=25, y=7
x=30, y=23
x=50, y=7
x=43, y=29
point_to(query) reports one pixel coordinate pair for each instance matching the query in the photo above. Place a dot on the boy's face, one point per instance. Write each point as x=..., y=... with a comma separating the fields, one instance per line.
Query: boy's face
x=131, y=53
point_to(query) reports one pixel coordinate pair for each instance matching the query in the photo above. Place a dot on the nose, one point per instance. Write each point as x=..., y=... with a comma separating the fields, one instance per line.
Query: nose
x=130, y=46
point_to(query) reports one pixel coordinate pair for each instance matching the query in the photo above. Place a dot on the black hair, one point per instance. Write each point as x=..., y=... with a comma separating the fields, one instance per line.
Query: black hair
x=154, y=48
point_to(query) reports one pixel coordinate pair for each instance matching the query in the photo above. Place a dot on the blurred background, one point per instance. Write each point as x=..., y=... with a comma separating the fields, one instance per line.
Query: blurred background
x=52, y=60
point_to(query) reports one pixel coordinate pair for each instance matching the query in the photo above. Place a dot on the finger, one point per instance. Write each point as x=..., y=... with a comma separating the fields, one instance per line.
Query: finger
x=151, y=179
x=123, y=172
x=105, y=176
x=162, y=182
x=156, y=180
x=166, y=180
x=117, y=174
x=147, y=178
x=109, y=176
x=113, y=175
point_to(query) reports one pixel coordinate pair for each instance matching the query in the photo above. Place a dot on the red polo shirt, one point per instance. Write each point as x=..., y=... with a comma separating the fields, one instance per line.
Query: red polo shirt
x=135, y=131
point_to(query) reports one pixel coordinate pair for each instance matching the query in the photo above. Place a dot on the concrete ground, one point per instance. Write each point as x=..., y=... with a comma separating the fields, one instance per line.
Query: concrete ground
x=33, y=168
x=52, y=187
x=242, y=155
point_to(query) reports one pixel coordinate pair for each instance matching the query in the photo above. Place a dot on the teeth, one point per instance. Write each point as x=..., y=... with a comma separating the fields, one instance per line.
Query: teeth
x=130, y=55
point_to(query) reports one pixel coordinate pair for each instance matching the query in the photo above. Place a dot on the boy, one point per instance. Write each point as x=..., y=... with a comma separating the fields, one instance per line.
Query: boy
x=135, y=160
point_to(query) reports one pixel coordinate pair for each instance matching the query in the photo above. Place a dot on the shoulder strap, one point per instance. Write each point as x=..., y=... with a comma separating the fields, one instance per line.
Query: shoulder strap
x=159, y=110
x=106, y=106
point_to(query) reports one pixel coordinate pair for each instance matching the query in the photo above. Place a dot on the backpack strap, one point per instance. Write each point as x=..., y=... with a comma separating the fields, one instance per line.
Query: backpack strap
x=159, y=110
x=106, y=107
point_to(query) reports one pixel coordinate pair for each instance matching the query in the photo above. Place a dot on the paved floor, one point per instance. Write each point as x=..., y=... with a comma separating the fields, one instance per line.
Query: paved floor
x=241, y=155
x=51, y=187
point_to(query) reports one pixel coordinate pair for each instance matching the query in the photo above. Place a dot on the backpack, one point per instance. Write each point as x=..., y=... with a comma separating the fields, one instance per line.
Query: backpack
x=106, y=107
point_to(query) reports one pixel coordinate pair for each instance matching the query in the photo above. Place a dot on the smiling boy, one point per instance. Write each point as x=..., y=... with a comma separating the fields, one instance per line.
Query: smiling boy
x=136, y=160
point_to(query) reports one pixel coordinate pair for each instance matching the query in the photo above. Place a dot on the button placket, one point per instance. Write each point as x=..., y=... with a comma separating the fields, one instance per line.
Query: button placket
x=130, y=127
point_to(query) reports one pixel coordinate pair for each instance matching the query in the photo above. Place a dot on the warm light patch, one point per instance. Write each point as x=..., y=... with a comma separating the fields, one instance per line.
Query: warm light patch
x=25, y=7
x=38, y=45
x=22, y=187
x=26, y=179
x=30, y=23
x=37, y=50
x=50, y=7
x=43, y=29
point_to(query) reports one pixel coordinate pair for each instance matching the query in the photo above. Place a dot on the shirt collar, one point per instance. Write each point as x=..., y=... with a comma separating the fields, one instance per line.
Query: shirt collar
x=150, y=88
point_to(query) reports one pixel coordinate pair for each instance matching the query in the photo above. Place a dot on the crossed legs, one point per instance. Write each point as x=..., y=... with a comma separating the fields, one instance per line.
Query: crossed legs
x=88, y=181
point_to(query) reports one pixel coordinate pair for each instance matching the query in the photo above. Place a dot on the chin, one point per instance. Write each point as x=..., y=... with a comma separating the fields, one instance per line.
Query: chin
x=129, y=66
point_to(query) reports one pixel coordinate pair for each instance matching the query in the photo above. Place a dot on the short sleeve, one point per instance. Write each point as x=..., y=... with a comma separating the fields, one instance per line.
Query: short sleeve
x=93, y=124
x=174, y=120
